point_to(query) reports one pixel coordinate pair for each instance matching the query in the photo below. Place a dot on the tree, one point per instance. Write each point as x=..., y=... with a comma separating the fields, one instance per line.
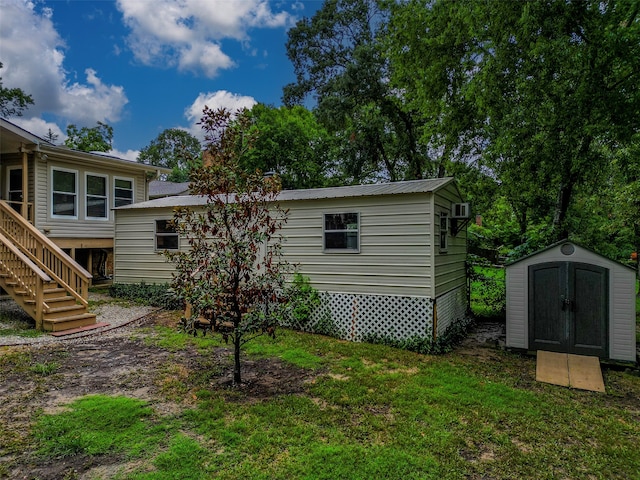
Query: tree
x=175, y=149
x=51, y=137
x=95, y=139
x=337, y=58
x=13, y=101
x=289, y=142
x=537, y=88
x=233, y=273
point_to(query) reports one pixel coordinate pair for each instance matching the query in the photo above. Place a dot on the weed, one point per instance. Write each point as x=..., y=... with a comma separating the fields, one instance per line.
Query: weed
x=44, y=369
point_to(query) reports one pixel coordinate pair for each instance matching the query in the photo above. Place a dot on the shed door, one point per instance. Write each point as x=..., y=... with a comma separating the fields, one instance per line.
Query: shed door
x=568, y=308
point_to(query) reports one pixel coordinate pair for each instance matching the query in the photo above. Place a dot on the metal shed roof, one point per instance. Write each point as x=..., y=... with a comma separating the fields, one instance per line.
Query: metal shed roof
x=392, y=188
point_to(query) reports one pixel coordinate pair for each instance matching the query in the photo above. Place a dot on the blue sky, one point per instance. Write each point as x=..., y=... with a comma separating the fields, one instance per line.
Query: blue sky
x=143, y=66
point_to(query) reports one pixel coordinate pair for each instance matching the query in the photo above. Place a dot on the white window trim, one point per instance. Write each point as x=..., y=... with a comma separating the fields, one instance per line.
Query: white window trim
x=133, y=188
x=324, y=231
x=444, y=216
x=9, y=169
x=68, y=170
x=86, y=196
x=156, y=234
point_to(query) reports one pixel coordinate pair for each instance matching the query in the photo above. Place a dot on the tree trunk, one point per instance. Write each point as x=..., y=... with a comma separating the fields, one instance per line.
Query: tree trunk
x=237, y=379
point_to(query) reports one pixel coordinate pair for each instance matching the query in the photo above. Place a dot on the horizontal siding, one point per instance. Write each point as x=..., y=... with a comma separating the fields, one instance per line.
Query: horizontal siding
x=80, y=227
x=135, y=258
x=395, y=243
x=450, y=266
x=394, y=256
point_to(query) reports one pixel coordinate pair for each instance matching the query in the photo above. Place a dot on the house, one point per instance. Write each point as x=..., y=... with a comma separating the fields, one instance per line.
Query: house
x=388, y=259
x=566, y=298
x=57, y=224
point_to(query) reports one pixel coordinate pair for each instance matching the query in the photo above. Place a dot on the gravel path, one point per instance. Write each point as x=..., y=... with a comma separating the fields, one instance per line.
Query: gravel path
x=116, y=315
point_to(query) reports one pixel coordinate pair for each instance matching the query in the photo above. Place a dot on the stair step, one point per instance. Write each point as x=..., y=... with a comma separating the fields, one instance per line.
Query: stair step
x=11, y=284
x=65, y=311
x=53, y=290
x=66, y=323
x=59, y=301
x=22, y=293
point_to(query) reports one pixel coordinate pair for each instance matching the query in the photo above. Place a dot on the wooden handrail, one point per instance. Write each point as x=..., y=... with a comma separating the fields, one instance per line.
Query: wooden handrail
x=29, y=208
x=25, y=273
x=44, y=253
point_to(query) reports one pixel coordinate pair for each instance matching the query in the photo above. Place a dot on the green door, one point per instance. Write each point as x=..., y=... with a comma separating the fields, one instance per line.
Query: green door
x=568, y=308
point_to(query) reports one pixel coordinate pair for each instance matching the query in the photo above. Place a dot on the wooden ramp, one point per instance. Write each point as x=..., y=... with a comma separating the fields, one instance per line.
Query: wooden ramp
x=567, y=370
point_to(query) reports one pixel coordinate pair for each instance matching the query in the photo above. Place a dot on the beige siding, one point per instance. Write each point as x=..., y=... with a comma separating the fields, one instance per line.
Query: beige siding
x=394, y=256
x=79, y=227
x=135, y=257
x=450, y=269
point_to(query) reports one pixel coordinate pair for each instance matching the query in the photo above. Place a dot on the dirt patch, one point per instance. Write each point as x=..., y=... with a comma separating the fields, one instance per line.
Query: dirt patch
x=484, y=340
x=48, y=377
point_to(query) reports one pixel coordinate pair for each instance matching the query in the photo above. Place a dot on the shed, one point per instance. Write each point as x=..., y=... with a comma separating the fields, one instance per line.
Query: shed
x=567, y=298
x=388, y=259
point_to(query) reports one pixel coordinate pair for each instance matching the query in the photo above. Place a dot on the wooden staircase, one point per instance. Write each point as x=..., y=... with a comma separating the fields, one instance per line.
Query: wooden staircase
x=48, y=284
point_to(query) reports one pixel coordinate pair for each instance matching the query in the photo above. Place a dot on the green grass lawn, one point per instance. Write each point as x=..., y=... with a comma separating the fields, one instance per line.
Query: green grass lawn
x=370, y=412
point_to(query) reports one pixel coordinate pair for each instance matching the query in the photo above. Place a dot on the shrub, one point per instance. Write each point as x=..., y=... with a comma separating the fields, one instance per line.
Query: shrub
x=157, y=295
x=445, y=343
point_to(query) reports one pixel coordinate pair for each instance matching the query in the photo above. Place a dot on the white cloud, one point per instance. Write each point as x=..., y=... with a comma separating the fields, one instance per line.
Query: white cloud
x=187, y=34
x=128, y=155
x=33, y=60
x=215, y=101
x=41, y=128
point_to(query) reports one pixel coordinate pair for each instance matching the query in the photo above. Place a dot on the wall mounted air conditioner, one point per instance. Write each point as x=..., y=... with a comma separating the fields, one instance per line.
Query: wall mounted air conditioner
x=460, y=210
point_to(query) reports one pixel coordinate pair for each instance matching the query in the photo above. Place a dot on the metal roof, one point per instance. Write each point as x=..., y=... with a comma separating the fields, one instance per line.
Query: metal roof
x=392, y=188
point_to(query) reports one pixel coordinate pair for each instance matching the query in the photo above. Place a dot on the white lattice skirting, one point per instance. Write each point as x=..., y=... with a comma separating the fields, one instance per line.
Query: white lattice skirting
x=359, y=317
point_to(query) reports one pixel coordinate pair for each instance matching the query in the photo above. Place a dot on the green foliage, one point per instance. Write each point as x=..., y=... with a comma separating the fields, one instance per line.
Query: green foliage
x=175, y=149
x=44, y=369
x=94, y=139
x=445, y=343
x=526, y=90
x=157, y=295
x=337, y=59
x=488, y=291
x=13, y=101
x=291, y=143
x=302, y=300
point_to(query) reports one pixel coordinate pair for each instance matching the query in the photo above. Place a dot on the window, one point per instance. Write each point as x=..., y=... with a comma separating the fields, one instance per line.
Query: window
x=123, y=191
x=444, y=231
x=166, y=235
x=341, y=231
x=15, y=187
x=97, y=201
x=65, y=199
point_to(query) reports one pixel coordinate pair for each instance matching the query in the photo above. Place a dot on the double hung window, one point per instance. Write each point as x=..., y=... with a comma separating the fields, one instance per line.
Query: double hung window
x=97, y=202
x=341, y=232
x=65, y=193
x=166, y=236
